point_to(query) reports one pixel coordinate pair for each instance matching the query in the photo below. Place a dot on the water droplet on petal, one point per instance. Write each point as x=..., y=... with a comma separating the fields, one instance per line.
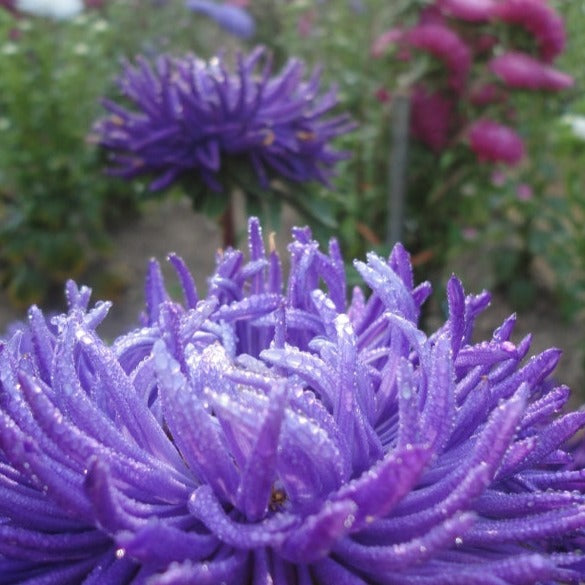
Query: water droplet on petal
x=348, y=522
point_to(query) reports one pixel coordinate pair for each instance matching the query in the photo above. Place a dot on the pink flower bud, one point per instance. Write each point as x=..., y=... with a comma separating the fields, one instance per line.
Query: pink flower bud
x=522, y=71
x=441, y=42
x=495, y=142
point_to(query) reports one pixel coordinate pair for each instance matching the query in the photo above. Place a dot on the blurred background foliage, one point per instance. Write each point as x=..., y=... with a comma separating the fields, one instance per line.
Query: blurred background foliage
x=56, y=203
x=57, y=206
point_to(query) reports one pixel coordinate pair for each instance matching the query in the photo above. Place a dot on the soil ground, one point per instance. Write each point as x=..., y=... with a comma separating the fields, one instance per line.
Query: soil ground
x=171, y=226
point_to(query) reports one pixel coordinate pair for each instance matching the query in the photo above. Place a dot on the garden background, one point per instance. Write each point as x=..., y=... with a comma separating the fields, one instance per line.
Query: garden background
x=509, y=223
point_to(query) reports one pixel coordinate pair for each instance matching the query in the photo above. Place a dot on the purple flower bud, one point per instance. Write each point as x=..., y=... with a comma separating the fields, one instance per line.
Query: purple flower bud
x=445, y=45
x=522, y=71
x=539, y=19
x=277, y=434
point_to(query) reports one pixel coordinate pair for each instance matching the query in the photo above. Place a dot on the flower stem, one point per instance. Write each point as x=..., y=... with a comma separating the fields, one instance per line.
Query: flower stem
x=227, y=224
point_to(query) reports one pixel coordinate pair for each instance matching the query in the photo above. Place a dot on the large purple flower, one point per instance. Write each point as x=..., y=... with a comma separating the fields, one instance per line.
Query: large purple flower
x=271, y=433
x=197, y=116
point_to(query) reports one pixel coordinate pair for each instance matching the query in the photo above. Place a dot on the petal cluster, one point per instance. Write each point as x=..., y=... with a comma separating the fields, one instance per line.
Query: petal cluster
x=271, y=432
x=197, y=117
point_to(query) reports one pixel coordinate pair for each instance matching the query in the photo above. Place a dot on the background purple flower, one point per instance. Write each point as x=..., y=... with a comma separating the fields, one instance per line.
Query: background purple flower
x=495, y=142
x=197, y=117
x=232, y=18
x=273, y=433
x=470, y=10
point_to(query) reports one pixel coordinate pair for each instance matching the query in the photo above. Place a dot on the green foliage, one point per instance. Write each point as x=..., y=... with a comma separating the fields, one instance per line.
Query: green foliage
x=56, y=202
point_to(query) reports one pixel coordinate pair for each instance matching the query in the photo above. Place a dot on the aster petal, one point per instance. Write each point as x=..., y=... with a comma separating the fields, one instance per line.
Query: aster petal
x=259, y=474
x=144, y=544
x=232, y=567
x=401, y=556
x=381, y=487
x=319, y=532
x=199, y=439
x=187, y=282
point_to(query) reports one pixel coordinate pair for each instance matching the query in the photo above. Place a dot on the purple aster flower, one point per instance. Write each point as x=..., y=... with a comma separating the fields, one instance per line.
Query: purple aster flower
x=444, y=44
x=495, y=142
x=271, y=433
x=522, y=71
x=232, y=18
x=539, y=19
x=192, y=116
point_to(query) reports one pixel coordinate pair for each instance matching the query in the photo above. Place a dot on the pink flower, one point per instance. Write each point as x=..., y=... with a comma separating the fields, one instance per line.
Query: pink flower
x=522, y=71
x=470, y=10
x=469, y=233
x=431, y=118
x=539, y=19
x=524, y=192
x=390, y=37
x=495, y=142
x=441, y=42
